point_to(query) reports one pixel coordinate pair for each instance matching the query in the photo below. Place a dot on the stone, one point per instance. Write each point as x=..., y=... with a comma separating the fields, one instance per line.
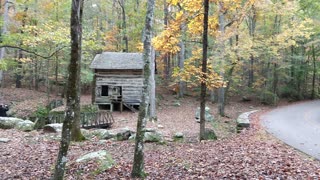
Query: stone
x=121, y=134
x=208, y=116
x=178, y=135
x=153, y=137
x=176, y=103
x=9, y=122
x=53, y=128
x=210, y=134
x=243, y=120
x=25, y=126
x=86, y=133
x=160, y=126
x=149, y=130
x=4, y=140
x=102, y=157
x=102, y=134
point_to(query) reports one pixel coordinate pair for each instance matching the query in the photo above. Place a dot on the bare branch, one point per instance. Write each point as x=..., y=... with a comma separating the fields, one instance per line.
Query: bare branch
x=32, y=52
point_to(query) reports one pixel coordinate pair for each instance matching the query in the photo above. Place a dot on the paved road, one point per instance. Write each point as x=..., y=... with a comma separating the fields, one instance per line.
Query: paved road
x=297, y=125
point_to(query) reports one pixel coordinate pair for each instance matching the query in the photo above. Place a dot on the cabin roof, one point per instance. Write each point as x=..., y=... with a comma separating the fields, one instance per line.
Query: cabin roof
x=117, y=60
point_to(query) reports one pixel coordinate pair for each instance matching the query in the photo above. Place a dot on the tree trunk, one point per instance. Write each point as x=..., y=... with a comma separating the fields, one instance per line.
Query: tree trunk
x=181, y=56
x=152, y=111
x=313, y=95
x=204, y=71
x=251, y=72
x=76, y=50
x=166, y=70
x=124, y=27
x=252, y=26
x=221, y=90
x=20, y=52
x=3, y=33
x=275, y=79
x=72, y=106
x=138, y=162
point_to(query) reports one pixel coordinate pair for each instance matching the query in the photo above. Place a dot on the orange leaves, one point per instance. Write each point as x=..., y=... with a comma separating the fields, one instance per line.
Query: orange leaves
x=192, y=6
x=168, y=40
x=111, y=41
x=193, y=75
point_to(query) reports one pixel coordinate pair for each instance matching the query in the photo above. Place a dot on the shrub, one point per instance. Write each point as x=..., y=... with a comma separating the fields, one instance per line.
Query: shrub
x=268, y=97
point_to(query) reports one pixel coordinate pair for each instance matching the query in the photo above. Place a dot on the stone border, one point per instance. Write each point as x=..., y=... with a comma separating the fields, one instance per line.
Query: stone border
x=243, y=120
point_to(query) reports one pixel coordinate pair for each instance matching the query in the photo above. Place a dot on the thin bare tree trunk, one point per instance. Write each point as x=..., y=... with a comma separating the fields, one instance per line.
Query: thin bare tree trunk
x=152, y=87
x=3, y=33
x=221, y=90
x=166, y=59
x=124, y=26
x=181, y=58
x=313, y=94
x=204, y=71
x=138, y=162
x=72, y=106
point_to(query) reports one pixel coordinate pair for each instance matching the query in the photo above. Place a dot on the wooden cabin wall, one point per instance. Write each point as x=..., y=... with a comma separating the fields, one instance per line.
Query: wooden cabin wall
x=131, y=82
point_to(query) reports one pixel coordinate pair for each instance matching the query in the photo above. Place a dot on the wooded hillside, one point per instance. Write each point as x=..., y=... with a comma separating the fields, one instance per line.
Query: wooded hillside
x=263, y=49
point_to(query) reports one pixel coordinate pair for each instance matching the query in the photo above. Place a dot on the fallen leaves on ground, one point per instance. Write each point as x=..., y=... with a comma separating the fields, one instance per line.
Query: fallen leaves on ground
x=250, y=154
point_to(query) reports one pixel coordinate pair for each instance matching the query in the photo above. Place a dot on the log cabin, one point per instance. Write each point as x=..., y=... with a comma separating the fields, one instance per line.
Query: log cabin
x=118, y=80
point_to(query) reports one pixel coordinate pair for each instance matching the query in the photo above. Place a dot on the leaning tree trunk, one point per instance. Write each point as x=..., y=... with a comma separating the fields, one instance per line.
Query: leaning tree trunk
x=138, y=162
x=204, y=71
x=72, y=106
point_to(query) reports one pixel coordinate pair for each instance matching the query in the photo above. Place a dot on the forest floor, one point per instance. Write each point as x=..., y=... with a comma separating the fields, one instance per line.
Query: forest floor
x=253, y=153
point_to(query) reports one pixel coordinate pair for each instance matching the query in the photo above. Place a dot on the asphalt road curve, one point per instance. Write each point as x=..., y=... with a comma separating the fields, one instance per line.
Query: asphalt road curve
x=297, y=125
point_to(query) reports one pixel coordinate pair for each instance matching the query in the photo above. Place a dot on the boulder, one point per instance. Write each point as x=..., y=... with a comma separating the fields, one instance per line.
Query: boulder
x=243, y=120
x=210, y=134
x=178, y=135
x=160, y=126
x=102, y=157
x=150, y=130
x=176, y=103
x=121, y=134
x=86, y=133
x=153, y=137
x=53, y=128
x=102, y=134
x=4, y=140
x=9, y=122
x=208, y=116
x=150, y=135
x=26, y=126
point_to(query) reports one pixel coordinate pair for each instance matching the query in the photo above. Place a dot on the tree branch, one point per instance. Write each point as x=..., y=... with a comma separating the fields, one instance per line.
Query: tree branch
x=32, y=52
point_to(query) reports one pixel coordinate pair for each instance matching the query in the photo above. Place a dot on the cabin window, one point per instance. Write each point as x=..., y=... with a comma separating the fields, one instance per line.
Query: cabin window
x=104, y=91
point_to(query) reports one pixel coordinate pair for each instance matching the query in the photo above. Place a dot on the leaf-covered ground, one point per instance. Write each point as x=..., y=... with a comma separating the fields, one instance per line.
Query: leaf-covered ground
x=252, y=154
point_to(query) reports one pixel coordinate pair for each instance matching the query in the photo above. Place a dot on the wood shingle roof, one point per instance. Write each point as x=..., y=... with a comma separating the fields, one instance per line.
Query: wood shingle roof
x=117, y=60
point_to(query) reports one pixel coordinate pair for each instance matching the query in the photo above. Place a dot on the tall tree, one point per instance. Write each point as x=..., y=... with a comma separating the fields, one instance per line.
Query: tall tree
x=221, y=91
x=72, y=96
x=204, y=70
x=138, y=162
x=4, y=31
